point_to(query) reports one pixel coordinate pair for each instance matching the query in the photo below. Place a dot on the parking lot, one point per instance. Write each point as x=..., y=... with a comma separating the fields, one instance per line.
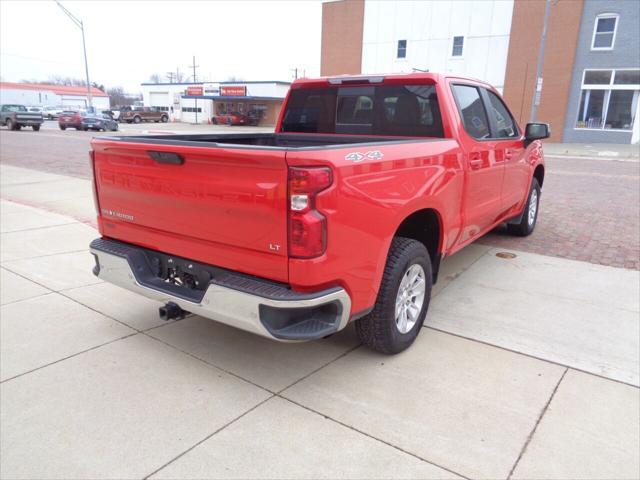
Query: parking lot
x=527, y=367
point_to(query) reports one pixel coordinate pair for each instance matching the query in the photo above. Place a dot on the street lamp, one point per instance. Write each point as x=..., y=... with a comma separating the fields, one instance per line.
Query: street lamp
x=79, y=24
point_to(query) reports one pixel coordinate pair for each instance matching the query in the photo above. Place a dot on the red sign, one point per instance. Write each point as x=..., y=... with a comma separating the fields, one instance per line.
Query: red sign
x=194, y=90
x=233, y=91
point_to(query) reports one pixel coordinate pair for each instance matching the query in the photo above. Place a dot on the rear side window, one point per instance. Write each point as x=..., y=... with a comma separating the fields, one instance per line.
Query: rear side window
x=408, y=110
x=472, y=112
x=506, y=126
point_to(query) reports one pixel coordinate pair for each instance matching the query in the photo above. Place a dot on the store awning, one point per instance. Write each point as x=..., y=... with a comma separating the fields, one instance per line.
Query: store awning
x=221, y=98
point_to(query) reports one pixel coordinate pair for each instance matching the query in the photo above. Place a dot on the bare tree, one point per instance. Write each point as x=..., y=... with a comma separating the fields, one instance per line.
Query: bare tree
x=118, y=97
x=155, y=78
x=234, y=78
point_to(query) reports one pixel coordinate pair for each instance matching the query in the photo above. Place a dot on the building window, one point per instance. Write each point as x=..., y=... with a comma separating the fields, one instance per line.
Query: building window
x=458, y=45
x=402, y=49
x=609, y=99
x=604, y=32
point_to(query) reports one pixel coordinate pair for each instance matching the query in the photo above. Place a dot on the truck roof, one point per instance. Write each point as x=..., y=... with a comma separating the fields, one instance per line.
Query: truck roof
x=421, y=77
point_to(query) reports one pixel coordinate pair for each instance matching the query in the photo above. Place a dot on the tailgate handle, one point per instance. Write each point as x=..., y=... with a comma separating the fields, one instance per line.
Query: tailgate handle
x=168, y=158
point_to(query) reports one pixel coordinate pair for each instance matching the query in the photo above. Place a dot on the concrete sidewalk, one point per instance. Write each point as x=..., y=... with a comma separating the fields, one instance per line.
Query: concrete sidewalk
x=612, y=151
x=527, y=368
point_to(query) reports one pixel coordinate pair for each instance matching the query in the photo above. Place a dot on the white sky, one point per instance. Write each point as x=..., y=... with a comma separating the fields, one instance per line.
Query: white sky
x=127, y=41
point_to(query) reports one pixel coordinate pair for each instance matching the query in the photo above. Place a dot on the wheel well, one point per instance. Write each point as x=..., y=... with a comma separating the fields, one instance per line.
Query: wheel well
x=538, y=174
x=424, y=226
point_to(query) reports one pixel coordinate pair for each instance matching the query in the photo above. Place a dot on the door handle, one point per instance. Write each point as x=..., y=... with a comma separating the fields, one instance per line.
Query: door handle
x=509, y=153
x=475, y=160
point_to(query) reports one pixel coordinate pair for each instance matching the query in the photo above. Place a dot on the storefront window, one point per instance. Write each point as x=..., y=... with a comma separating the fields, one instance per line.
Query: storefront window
x=609, y=99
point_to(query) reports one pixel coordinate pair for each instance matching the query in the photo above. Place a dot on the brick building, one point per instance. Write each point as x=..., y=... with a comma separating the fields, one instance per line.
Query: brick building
x=591, y=70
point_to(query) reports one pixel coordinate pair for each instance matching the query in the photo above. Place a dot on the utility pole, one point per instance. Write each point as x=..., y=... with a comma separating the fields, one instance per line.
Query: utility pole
x=80, y=25
x=537, y=93
x=170, y=76
x=295, y=72
x=194, y=66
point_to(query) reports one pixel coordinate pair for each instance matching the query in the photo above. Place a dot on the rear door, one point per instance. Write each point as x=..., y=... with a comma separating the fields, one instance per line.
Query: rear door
x=484, y=170
x=221, y=206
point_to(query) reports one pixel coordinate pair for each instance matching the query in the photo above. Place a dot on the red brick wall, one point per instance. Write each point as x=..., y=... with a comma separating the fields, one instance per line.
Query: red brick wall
x=342, y=26
x=562, y=37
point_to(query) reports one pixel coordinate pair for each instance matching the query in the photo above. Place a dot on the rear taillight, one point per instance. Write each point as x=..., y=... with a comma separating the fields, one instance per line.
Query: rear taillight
x=92, y=163
x=307, y=226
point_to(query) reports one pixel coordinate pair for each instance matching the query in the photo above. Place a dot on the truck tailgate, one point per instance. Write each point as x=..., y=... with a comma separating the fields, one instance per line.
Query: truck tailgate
x=221, y=206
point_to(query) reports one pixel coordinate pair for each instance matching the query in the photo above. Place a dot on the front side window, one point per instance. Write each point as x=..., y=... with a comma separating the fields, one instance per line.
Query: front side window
x=604, y=32
x=472, y=112
x=458, y=46
x=506, y=126
x=402, y=49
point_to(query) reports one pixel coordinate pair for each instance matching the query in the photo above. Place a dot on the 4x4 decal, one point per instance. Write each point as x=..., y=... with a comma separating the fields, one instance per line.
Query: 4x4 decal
x=359, y=157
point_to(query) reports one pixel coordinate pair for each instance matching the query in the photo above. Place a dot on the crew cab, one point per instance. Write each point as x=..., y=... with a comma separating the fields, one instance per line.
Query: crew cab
x=17, y=116
x=343, y=214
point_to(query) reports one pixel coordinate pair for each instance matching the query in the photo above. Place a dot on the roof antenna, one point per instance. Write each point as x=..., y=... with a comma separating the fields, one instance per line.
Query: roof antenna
x=420, y=70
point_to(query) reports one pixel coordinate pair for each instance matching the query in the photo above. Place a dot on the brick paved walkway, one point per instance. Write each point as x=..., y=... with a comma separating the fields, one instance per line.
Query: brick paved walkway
x=590, y=211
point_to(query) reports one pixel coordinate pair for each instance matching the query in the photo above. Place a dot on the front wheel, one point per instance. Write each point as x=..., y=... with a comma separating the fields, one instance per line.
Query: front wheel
x=164, y=119
x=530, y=215
x=63, y=127
x=36, y=128
x=137, y=119
x=403, y=299
x=10, y=124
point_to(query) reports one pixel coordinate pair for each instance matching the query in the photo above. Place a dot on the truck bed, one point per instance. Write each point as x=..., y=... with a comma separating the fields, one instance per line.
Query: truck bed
x=276, y=141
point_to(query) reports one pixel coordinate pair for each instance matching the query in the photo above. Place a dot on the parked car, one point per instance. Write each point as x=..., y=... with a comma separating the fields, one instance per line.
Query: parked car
x=52, y=112
x=343, y=214
x=17, y=116
x=143, y=114
x=70, y=119
x=99, y=122
x=231, y=118
x=35, y=110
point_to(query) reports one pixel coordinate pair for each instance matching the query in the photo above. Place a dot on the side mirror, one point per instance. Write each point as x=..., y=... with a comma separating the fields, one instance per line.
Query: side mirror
x=536, y=131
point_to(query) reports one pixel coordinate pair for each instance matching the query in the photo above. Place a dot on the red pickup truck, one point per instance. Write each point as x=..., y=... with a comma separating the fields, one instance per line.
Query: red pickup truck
x=343, y=214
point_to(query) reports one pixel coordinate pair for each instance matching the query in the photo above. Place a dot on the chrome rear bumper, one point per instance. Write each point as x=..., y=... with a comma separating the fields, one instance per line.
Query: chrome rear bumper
x=244, y=302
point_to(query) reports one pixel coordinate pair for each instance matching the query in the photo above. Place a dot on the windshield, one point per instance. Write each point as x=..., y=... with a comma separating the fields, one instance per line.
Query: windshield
x=406, y=110
x=14, y=108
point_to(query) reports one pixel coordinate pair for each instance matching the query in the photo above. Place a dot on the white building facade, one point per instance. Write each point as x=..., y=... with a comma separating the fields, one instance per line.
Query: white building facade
x=41, y=95
x=199, y=102
x=469, y=38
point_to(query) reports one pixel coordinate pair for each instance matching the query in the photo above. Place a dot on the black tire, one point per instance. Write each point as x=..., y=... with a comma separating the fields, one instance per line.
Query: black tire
x=137, y=119
x=85, y=129
x=229, y=121
x=526, y=225
x=10, y=125
x=378, y=329
x=36, y=128
x=214, y=121
x=63, y=127
x=164, y=119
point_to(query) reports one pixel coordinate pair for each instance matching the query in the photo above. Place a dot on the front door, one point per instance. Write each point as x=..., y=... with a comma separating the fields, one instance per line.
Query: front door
x=509, y=145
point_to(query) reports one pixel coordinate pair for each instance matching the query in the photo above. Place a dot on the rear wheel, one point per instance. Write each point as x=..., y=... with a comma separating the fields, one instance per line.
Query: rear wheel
x=214, y=120
x=63, y=127
x=403, y=299
x=164, y=119
x=137, y=119
x=530, y=215
x=36, y=128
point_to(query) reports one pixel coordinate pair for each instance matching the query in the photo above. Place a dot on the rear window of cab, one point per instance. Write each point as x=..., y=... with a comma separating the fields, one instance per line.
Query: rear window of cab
x=405, y=110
